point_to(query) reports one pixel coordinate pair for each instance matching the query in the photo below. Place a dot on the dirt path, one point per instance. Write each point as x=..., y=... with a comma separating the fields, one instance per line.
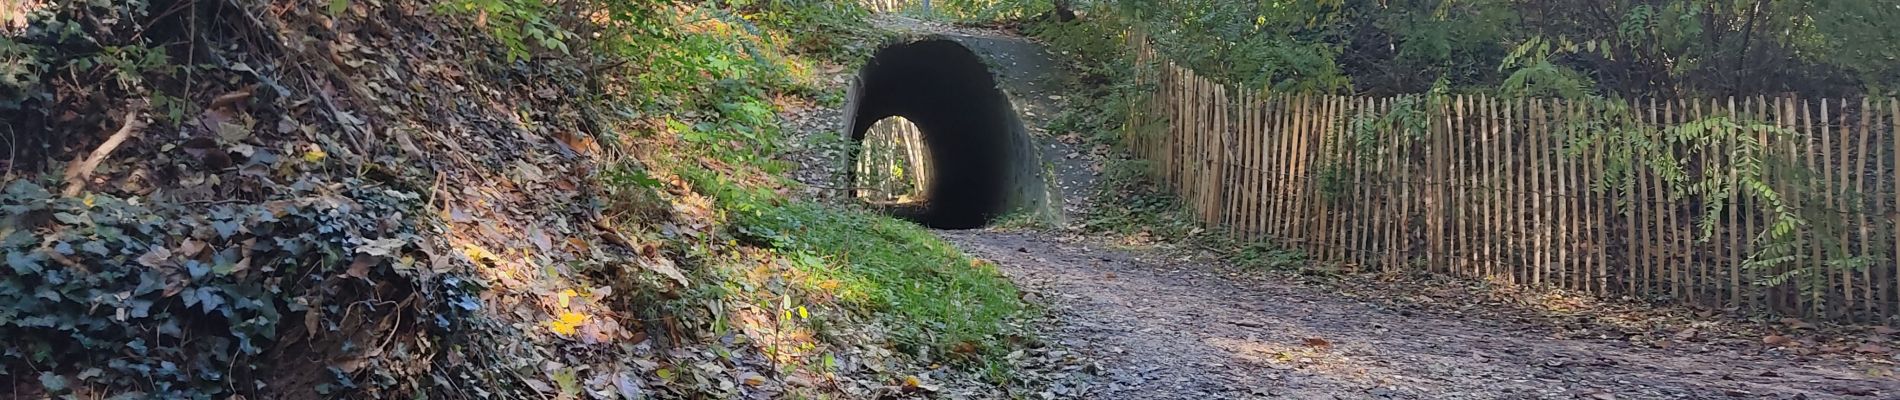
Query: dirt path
x=1167, y=330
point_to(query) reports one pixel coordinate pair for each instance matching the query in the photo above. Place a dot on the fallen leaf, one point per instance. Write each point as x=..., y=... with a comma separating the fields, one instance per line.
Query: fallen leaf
x=751, y=378
x=314, y=154
x=1776, y=340
x=628, y=386
x=538, y=386
x=478, y=255
x=1686, y=334
x=359, y=267
x=529, y=171
x=578, y=142
x=1797, y=323
x=912, y=384
x=232, y=98
x=157, y=256
x=1872, y=348
x=190, y=248
x=568, y=323
x=1318, y=342
x=665, y=266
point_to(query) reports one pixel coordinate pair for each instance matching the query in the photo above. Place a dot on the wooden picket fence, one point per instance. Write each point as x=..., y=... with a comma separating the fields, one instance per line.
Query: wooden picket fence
x=1505, y=189
x=894, y=6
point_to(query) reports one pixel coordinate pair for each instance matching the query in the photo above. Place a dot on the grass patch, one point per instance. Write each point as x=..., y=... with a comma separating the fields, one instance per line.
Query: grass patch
x=941, y=304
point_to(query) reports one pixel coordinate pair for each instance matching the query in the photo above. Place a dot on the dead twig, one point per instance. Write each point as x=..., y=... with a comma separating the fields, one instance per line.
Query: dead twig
x=81, y=171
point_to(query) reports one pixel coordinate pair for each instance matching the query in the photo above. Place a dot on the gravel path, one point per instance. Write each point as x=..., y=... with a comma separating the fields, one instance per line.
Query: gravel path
x=1163, y=329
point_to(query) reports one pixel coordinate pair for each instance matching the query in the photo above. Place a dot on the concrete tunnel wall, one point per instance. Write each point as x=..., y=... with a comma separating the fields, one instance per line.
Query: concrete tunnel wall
x=984, y=163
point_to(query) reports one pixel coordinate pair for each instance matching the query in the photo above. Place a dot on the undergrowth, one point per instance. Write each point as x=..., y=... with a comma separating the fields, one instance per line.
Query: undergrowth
x=260, y=240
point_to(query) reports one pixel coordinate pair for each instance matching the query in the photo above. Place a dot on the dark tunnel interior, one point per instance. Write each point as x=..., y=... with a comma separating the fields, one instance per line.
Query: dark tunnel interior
x=966, y=124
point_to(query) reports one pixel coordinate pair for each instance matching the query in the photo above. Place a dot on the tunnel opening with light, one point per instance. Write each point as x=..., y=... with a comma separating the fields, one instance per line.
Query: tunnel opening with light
x=935, y=108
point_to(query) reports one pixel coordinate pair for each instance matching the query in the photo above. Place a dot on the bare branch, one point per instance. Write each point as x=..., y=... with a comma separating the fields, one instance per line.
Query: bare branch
x=80, y=172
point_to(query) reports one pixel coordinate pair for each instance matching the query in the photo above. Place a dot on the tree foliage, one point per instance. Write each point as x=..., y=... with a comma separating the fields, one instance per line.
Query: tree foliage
x=1567, y=48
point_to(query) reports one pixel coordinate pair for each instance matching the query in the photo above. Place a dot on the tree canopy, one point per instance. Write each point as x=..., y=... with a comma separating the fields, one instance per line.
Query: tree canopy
x=1566, y=48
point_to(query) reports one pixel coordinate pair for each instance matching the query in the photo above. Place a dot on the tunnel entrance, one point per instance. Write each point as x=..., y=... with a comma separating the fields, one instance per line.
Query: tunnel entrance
x=932, y=106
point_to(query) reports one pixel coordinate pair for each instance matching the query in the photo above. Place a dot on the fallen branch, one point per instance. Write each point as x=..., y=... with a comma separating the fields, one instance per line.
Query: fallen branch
x=81, y=171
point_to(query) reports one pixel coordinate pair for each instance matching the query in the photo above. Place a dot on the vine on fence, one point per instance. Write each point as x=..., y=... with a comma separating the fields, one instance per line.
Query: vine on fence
x=1777, y=186
x=1409, y=117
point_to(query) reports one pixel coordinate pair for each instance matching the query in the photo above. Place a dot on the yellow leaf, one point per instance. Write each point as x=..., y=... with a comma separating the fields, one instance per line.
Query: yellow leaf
x=561, y=329
x=568, y=323
x=314, y=154
x=802, y=314
x=564, y=297
x=477, y=253
x=88, y=201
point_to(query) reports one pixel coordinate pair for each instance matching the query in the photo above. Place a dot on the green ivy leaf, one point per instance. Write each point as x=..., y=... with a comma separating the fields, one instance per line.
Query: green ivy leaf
x=69, y=219
x=226, y=228
x=24, y=263
x=96, y=247
x=209, y=298
x=138, y=308
x=197, y=269
x=338, y=6
x=53, y=382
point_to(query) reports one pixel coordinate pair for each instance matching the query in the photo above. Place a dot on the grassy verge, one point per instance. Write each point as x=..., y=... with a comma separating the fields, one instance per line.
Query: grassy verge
x=942, y=305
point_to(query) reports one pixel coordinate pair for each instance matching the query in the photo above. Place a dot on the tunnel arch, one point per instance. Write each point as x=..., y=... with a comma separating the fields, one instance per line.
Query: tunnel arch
x=983, y=161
